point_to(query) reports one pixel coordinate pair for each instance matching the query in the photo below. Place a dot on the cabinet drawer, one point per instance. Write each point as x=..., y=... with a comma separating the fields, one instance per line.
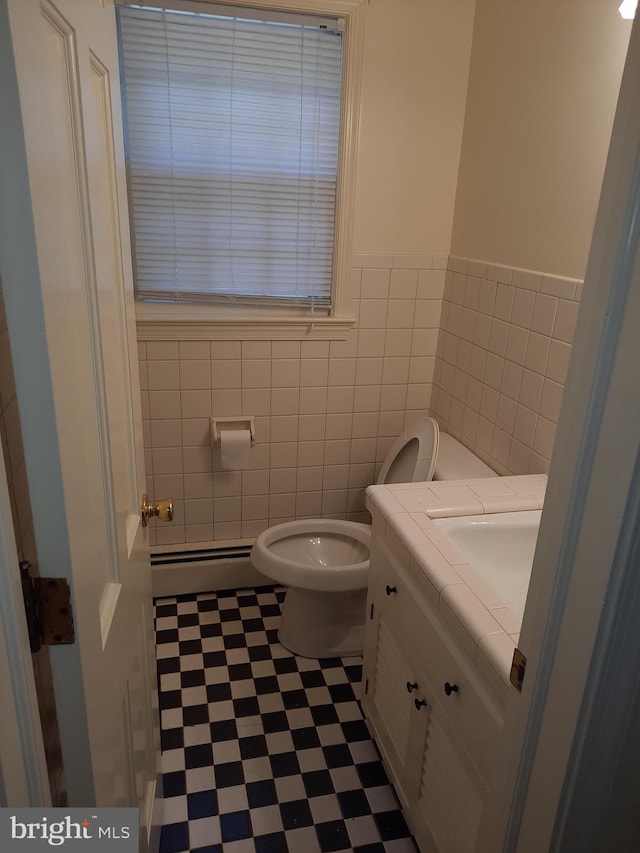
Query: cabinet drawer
x=473, y=713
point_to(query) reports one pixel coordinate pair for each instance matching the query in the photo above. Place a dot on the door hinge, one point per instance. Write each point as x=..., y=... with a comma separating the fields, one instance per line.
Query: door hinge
x=47, y=603
x=371, y=611
x=518, y=668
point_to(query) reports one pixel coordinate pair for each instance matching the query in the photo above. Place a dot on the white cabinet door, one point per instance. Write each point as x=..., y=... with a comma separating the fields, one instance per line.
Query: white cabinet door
x=67, y=282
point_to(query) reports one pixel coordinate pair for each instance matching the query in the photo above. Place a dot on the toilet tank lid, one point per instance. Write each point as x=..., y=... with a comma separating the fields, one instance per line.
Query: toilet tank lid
x=413, y=455
x=457, y=462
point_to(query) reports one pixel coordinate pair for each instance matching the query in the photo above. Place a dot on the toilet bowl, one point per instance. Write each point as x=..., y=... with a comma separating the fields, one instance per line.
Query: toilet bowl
x=324, y=563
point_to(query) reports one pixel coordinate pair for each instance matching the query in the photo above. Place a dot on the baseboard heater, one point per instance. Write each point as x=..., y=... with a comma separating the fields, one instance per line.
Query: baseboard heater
x=185, y=570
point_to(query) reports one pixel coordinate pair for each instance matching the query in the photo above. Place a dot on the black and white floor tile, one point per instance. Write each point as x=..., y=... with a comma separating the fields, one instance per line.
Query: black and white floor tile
x=262, y=750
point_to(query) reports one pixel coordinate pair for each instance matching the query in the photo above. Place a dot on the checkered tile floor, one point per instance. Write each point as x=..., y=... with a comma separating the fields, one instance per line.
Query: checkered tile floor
x=262, y=750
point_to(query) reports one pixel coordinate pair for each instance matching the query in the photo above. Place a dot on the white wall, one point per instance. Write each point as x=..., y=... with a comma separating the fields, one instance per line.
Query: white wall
x=543, y=89
x=416, y=67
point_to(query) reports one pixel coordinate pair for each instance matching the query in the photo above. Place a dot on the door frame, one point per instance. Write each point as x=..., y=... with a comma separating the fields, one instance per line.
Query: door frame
x=24, y=779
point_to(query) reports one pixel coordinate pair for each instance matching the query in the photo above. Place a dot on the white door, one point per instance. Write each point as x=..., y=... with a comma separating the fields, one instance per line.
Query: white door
x=66, y=271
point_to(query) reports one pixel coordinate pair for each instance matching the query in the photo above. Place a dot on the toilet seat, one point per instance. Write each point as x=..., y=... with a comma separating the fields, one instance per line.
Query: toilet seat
x=319, y=554
x=412, y=457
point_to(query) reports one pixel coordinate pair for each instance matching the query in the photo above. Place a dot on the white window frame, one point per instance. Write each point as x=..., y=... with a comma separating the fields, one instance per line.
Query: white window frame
x=179, y=321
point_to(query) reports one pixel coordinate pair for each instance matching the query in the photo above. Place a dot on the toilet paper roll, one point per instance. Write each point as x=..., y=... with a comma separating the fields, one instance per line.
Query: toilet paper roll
x=235, y=445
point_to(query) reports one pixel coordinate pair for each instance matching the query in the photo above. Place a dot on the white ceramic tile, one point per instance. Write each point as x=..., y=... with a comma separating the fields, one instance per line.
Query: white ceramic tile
x=466, y=606
x=340, y=400
x=196, y=404
x=566, y=317
x=517, y=342
x=254, y=507
x=256, y=373
x=313, y=401
x=310, y=453
x=551, y=400
x=223, y=350
x=360, y=477
x=413, y=261
x=525, y=425
x=162, y=350
x=282, y=480
x=308, y=504
x=375, y=284
x=558, y=361
x=544, y=314
x=227, y=484
x=511, y=380
x=346, y=348
x=487, y=297
x=342, y=371
x=311, y=427
x=334, y=502
x=309, y=479
x=284, y=428
x=163, y=375
x=285, y=372
x=197, y=374
x=166, y=433
x=335, y=476
x=369, y=371
x=431, y=284
x=404, y=283
x=363, y=450
x=254, y=349
x=198, y=486
x=373, y=261
x=531, y=390
x=197, y=460
x=314, y=349
x=544, y=437
x=373, y=314
x=367, y=398
x=339, y=426
x=224, y=402
x=164, y=404
x=558, y=286
x=423, y=342
x=314, y=372
x=527, y=279
x=285, y=349
x=284, y=455
x=522, y=311
x=226, y=374
x=256, y=401
x=285, y=401
x=196, y=350
x=400, y=314
x=497, y=650
x=337, y=451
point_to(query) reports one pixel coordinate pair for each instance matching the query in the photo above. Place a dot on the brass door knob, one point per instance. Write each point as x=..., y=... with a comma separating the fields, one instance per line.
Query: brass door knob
x=159, y=509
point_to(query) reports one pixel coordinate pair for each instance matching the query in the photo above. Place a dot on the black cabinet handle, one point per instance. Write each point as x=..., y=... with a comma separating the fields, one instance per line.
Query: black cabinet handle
x=450, y=688
x=411, y=686
x=419, y=703
x=390, y=590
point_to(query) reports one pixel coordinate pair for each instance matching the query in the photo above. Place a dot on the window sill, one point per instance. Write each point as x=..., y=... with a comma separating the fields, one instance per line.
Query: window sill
x=162, y=322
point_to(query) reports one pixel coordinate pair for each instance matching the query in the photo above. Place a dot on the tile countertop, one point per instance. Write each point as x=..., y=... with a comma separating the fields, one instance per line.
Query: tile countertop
x=402, y=513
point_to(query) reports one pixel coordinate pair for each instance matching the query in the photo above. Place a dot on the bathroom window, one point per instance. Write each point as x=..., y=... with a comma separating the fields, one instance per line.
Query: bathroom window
x=233, y=143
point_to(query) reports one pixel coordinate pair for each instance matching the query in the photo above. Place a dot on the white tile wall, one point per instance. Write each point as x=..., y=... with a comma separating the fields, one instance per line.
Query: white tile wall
x=502, y=357
x=326, y=412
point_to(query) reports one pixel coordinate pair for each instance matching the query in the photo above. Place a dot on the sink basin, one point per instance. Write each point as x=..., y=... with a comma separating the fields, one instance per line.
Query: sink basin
x=500, y=547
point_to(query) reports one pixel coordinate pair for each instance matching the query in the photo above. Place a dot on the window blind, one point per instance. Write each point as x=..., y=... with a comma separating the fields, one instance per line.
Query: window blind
x=232, y=128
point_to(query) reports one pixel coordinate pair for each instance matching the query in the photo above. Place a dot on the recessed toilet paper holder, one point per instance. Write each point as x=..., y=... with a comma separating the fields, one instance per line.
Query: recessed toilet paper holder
x=218, y=425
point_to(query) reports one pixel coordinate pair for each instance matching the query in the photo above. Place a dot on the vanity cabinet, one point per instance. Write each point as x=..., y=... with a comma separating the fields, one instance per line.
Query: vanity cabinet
x=433, y=719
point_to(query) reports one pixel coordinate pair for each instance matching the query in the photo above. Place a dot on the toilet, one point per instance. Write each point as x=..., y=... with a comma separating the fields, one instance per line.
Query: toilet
x=324, y=563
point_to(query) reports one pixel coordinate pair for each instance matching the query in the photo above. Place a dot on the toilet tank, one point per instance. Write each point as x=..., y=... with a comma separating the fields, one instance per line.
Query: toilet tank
x=457, y=462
